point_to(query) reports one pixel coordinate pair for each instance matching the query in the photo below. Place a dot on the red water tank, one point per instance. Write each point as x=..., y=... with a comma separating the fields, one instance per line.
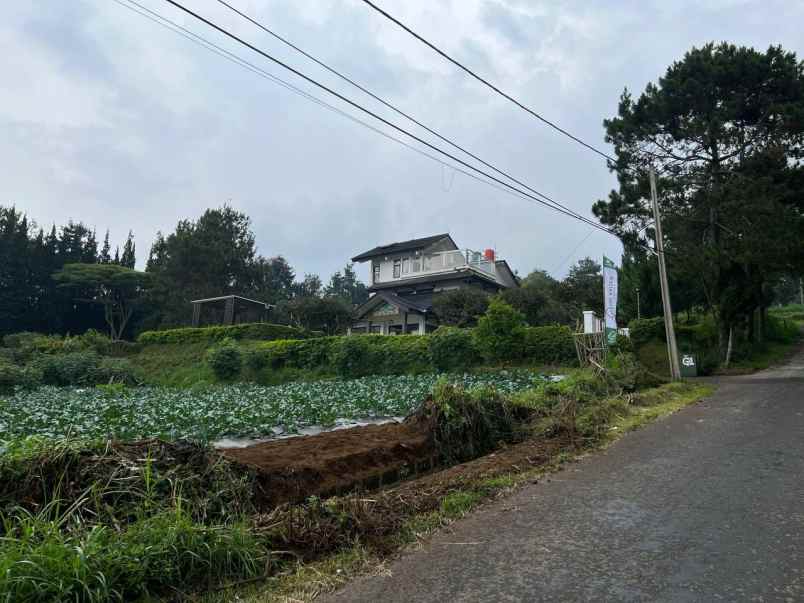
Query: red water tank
x=488, y=254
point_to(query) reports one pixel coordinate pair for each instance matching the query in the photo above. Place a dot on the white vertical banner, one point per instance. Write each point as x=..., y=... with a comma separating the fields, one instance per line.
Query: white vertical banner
x=610, y=284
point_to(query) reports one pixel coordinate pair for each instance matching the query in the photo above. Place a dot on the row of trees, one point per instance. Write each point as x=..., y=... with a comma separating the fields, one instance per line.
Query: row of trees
x=64, y=282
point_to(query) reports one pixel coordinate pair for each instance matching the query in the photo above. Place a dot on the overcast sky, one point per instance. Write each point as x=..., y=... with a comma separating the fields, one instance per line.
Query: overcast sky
x=110, y=119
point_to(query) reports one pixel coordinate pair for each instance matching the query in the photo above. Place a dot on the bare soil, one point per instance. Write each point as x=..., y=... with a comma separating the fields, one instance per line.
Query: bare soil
x=293, y=469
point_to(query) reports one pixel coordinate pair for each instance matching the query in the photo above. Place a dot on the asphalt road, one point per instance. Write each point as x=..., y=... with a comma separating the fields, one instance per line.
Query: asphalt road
x=705, y=505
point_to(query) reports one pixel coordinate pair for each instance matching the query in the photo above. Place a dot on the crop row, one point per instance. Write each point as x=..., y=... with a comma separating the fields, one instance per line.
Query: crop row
x=209, y=413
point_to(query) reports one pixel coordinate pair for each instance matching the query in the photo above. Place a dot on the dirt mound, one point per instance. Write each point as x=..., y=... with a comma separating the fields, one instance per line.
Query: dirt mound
x=293, y=469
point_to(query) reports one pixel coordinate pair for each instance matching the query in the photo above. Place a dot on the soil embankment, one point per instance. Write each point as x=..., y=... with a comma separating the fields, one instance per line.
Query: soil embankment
x=294, y=468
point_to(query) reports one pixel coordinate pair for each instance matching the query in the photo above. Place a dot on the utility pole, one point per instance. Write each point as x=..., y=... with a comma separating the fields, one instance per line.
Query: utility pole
x=638, y=314
x=670, y=332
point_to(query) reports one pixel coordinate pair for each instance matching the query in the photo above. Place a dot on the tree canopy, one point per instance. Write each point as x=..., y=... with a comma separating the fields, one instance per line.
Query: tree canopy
x=723, y=128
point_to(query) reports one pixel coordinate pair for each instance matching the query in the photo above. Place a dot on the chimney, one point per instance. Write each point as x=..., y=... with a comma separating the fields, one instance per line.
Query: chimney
x=488, y=254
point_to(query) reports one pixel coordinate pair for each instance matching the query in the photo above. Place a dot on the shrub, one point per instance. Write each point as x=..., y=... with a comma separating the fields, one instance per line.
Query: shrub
x=12, y=375
x=225, y=359
x=500, y=332
x=257, y=330
x=550, y=345
x=76, y=368
x=115, y=370
x=460, y=307
x=351, y=357
x=644, y=330
x=452, y=349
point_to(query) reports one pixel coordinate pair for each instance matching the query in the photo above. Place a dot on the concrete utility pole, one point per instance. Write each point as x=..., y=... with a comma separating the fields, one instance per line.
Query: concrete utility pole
x=670, y=331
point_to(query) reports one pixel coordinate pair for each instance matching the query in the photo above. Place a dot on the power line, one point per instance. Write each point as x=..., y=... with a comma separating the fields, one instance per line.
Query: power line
x=571, y=254
x=489, y=84
x=550, y=203
x=222, y=52
x=388, y=104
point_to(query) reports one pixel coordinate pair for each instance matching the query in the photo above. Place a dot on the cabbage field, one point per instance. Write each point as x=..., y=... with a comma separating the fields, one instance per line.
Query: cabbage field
x=213, y=412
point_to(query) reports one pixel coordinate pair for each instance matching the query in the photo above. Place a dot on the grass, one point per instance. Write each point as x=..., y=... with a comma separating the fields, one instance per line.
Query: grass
x=303, y=582
x=173, y=365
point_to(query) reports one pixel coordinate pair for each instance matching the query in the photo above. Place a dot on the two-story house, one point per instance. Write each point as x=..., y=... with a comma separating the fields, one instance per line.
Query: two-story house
x=406, y=276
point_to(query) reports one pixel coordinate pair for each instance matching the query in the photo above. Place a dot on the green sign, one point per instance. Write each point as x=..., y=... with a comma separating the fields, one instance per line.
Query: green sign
x=689, y=365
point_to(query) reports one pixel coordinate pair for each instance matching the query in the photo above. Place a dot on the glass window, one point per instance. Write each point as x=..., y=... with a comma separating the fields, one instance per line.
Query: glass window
x=397, y=268
x=416, y=265
x=376, y=274
x=427, y=262
x=405, y=265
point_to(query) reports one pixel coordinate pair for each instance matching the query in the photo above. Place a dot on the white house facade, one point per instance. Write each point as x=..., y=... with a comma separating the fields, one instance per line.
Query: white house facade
x=405, y=276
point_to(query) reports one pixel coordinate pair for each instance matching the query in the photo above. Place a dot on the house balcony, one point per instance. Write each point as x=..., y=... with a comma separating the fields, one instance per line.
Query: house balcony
x=425, y=264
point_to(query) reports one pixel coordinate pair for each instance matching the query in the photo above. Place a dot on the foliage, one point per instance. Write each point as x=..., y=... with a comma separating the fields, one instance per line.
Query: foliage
x=347, y=286
x=500, y=332
x=731, y=178
x=550, y=345
x=84, y=368
x=211, y=412
x=460, y=307
x=332, y=315
x=30, y=299
x=583, y=288
x=13, y=376
x=256, y=330
x=471, y=423
x=225, y=359
x=117, y=288
x=452, y=349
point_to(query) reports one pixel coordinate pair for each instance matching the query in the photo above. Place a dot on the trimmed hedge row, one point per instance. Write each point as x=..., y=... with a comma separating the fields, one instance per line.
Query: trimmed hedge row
x=449, y=348
x=257, y=330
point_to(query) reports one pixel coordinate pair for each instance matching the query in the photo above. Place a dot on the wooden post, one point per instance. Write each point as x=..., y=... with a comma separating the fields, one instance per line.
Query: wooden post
x=670, y=332
x=228, y=313
x=404, y=323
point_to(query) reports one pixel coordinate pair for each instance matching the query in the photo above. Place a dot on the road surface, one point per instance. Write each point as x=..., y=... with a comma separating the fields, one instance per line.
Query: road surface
x=705, y=505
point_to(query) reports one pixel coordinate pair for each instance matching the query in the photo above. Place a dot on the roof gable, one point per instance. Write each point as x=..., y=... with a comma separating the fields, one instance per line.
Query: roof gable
x=402, y=246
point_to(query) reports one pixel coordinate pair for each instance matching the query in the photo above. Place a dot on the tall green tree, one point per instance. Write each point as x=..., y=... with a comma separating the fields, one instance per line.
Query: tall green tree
x=117, y=289
x=211, y=256
x=348, y=286
x=705, y=127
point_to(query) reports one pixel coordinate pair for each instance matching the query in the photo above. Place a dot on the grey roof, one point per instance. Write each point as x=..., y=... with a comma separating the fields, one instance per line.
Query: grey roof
x=458, y=273
x=407, y=303
x=411, y=245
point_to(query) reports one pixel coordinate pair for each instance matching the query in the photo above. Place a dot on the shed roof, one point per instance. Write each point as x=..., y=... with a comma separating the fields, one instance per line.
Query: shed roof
x=237, y=297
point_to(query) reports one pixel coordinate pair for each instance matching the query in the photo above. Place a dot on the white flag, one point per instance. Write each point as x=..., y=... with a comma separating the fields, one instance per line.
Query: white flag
x=610, y=275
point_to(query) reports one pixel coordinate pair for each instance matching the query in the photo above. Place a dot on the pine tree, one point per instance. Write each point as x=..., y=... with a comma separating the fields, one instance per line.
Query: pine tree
x=129, y=258
x=105, y=257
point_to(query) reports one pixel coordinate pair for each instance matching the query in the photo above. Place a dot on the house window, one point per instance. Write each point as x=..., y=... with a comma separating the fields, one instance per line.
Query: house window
x=405, y=265
x=397, y=268
x=416, y=265
x=376, y=278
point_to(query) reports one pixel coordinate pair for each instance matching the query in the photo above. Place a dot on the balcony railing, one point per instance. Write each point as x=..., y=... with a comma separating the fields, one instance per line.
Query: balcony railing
x=445, y=261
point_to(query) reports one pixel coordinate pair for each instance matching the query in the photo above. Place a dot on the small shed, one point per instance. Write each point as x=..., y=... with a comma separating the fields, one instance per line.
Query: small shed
x=231, y=309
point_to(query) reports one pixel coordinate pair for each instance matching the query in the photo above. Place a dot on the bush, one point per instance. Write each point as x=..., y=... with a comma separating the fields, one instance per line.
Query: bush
x=644, y=330
x=550, y=345
x=257, y=330
x=225, y=360
x=460, y=307
x=76, y=368
x=115, y=370
x=452, y=349
x=500, y=332
x=12, y=376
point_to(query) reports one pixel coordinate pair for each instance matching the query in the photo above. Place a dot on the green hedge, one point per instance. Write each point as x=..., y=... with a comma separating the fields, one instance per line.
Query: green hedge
x=449, y=348
x=256, y=330
x=550, y=345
